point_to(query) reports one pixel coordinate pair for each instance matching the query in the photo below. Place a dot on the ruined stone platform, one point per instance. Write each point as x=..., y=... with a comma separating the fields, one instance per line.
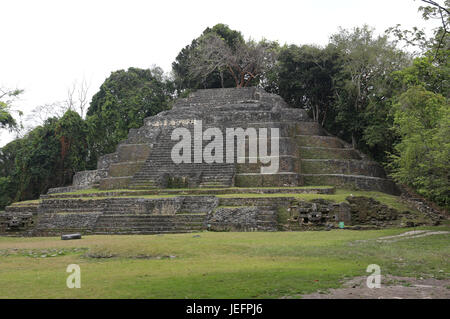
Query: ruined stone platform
x=308, y=154
x=131, y=212
x=143, y=191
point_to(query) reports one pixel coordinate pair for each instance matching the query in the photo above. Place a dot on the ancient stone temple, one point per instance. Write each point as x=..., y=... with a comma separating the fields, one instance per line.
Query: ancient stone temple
x=307, y=154
x=143, y=165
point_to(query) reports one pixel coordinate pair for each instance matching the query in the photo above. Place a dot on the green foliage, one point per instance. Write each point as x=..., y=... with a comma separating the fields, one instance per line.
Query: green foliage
x=363, y=87
x=36, y=164
x=282, y=217
x=245, y=62
x=6, y=118
x=421, y=114
x=422, y=158
x=47, y=156
x=72, y=133
x=6, y=197
x=426, y=73
x=346, y=86
x=437, y=46
x=124, y=100
x=306, y=78
x=180, y=67
x=177, y=182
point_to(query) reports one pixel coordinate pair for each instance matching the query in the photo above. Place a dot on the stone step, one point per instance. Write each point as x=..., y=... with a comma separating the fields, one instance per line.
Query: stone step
x=152, y=217
x=308, y=152
x=115, y=182
x=346, y=167
x=196, y=191
x=286, y=164
x=124, y=168
x=21, y=208
x=206, y=171
x=319, y=141
x=133, y=152
x=213, y=185
x=215, y=177
x=352, y=181
x=105, y=161
x=309, y=128
x=148, y=226
x=152, y=165
x=281, y=179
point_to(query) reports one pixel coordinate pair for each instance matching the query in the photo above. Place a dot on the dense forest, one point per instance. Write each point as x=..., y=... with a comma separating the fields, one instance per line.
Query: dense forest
x=386, y=94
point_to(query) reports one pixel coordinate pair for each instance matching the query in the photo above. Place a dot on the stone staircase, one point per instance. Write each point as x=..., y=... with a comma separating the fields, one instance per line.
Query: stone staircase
x=159, y=171
x=148, y=224
x=327, y=160
x=266, y=218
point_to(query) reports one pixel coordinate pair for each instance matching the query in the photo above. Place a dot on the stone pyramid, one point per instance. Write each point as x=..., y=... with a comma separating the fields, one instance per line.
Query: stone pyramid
x=308, y=154
x=147, y=192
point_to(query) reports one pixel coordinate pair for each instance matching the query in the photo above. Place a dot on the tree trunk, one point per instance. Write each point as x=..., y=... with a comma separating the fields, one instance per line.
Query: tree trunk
x=324, y=116
x=221, y=79
x=353, y=140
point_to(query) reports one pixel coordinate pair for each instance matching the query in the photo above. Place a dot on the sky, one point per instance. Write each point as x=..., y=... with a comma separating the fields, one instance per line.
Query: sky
x=48, y=45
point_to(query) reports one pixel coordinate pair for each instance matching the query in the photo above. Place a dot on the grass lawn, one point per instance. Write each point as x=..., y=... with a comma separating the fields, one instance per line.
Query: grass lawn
x=213, y=265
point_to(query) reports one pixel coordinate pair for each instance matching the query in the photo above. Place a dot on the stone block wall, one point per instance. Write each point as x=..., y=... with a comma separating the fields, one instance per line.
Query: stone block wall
x=251, y=218
x=88, y=178
x=308, y=154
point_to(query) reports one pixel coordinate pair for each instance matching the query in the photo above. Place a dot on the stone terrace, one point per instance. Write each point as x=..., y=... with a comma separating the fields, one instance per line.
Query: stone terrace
x=308, y=154
x=185, y=198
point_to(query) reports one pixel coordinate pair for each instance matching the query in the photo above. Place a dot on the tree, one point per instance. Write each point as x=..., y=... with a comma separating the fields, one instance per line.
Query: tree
x=72, y=133
x=36, y=163
x=77, y=100
x=44, y=111
x=305, y=77
x=362, y=85
x=77, y=97
x=8, y=184
x=47, y=156
x=426, y=73
x=124, y=100
x=216, y=79
x=440, y=39
x=244, y=61
x=422, y=157
x=437, y=46
x=6, y=98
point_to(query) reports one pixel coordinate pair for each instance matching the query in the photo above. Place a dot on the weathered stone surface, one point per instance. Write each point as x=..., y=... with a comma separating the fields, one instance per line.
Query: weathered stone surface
x=242, y=219
x=308, y=156
x=127, y=215
x=87, y=178
x=198, y=191
x=366, y=210
x=71, y=236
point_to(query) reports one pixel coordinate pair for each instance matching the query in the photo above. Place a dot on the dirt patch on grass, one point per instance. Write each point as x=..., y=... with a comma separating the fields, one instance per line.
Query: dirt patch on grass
x=392, y=287
x=411, y=235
